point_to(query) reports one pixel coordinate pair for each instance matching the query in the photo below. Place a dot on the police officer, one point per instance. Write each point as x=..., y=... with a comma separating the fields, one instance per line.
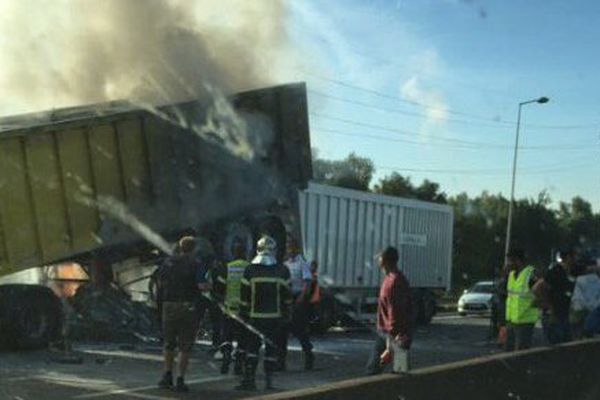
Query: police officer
x=227, y=290
x=265, y=299
x=301, y=281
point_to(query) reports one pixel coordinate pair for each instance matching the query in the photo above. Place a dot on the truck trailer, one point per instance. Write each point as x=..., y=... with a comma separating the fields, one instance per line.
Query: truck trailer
x=344, y=230
x=102, y=184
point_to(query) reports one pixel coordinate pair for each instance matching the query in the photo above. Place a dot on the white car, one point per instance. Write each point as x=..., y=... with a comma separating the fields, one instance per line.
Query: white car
x=478, y=299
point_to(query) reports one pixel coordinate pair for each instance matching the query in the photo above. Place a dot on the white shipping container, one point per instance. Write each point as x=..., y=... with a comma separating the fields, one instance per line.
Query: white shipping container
x=345, y=229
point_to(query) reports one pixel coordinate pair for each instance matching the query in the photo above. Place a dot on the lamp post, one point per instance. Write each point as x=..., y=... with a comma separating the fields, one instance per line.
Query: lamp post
x=541, y=100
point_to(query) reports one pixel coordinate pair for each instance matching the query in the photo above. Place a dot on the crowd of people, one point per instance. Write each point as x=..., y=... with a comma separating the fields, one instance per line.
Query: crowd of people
x=565, y=298
x=250, y=301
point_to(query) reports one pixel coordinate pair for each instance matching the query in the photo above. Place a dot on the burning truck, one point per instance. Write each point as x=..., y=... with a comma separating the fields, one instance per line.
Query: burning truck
x=93, y=192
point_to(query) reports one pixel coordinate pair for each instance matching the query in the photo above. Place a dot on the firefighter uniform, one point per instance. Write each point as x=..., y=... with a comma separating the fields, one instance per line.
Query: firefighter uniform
x=265, y=300
x=227, y=288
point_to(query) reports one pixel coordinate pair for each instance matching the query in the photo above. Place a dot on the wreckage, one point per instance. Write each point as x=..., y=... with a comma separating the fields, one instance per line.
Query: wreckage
x=104, y=189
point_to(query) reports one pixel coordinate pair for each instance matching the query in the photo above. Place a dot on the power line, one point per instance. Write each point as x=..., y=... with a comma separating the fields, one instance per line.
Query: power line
x=401, y=111
x=446, y=110
x=550, y=169
x=446, y=146
x=467, y=143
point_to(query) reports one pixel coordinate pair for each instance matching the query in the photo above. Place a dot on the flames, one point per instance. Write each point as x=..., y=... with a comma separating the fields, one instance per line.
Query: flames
x=66, y=278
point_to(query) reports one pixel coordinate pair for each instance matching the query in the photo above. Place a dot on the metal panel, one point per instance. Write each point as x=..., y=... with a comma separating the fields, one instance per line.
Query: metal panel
x=78, y=181
x=345, y=229
x=47, y=192
x=134, y=160
x=105, y=162
x=18, y=218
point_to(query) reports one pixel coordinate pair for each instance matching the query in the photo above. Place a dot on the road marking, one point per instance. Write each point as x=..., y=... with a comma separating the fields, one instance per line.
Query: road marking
x=132, y=391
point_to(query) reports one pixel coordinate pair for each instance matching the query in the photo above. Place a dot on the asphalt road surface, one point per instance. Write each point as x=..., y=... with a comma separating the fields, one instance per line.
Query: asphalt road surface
x=125, y=372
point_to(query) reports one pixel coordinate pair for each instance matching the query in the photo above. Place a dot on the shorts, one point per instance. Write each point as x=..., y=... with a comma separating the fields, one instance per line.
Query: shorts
x=180, y=326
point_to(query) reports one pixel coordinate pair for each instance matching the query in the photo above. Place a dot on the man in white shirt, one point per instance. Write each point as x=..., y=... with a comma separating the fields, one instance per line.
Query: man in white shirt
x=300, y=280
x=585, y=299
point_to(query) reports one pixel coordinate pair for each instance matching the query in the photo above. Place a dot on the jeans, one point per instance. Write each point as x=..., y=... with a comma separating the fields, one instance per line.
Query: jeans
x=592, y=323
x=557, y=330
x=519, y=336
x=401, y=361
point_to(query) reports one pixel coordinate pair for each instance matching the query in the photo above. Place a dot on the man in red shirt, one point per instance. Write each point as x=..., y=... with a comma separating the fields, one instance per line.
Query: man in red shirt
x=394, y=311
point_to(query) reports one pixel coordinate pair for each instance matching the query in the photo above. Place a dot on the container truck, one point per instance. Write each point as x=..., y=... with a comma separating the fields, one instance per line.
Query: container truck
x=343, y=230
x=107, y=183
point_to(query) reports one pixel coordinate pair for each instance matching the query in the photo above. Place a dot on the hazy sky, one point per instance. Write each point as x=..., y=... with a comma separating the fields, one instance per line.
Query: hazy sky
x=430, y=88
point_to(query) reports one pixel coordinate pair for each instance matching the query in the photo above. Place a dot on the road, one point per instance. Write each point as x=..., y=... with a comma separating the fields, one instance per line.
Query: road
x=125, y=372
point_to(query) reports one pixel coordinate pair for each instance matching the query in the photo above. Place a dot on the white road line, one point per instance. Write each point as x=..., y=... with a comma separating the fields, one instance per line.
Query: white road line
x=132, y=391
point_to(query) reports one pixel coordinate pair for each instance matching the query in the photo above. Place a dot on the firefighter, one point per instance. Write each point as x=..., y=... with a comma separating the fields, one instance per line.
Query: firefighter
x=227, y=290
x=264, y=304
x=301, y=282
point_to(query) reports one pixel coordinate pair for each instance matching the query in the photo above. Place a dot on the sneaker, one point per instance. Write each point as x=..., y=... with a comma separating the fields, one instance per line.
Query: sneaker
x=181, y=386
x=166, y=382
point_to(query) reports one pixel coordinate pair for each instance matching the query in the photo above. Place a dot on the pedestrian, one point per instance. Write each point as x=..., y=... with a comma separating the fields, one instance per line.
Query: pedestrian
x=227, y=290
x=499, y=301
x=264, y=304
x=556, y=289
x=585, y=299
x=179, y=291
x=301, y=280
x=521, y=310
x=394, y=318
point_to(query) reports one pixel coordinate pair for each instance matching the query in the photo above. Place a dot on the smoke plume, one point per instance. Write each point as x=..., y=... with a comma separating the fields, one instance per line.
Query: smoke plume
x=63, y=52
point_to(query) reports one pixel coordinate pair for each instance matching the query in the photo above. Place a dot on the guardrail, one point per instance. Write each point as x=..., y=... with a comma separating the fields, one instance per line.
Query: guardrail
x=569, y=371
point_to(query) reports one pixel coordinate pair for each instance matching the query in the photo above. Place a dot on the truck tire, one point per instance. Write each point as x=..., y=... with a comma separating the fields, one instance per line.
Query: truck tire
x=427, y=305
x=31, y=316
x=272, y=226
x=230, y=234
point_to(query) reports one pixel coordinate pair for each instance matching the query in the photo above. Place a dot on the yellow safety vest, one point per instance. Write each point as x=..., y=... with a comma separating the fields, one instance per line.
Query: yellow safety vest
x=519, y=303
x=235, y=273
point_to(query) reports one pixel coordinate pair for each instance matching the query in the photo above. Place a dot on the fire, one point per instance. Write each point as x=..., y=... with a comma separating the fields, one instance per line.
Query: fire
x=66, y=278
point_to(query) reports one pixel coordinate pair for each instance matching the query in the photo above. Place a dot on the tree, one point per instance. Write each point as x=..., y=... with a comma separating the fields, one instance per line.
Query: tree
x=395, y=185
x=353, y=172
x=398, y=185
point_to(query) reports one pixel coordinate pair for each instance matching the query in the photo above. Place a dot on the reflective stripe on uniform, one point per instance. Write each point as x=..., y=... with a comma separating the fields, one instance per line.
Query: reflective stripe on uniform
x=258, y=280
x=520, y=308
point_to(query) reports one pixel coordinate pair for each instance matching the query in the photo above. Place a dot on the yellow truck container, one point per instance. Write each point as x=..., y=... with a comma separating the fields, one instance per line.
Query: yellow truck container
x=103, y=179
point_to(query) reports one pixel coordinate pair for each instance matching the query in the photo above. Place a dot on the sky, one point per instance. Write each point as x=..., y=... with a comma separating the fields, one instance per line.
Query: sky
x=426, y=88
x=430, y=89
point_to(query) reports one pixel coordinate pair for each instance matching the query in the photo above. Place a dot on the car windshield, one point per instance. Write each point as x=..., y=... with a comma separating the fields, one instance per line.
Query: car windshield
x=482, y=288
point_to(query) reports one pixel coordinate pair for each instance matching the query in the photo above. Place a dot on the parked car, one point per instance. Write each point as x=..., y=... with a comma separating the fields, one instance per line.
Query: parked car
x=477, y=299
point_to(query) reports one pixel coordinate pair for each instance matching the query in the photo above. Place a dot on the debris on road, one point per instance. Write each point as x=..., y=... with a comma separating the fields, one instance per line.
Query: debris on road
x=108, y=314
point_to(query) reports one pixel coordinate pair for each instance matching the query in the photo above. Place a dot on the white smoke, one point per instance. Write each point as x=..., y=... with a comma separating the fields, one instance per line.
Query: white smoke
x=63, y=52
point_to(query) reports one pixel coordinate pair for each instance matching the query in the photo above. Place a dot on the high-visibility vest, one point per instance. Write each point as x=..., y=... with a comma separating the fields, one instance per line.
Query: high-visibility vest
x=235, y=273
x=520, y=308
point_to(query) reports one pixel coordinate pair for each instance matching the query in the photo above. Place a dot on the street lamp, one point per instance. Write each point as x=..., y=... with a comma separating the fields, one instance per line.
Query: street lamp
x=541, y=100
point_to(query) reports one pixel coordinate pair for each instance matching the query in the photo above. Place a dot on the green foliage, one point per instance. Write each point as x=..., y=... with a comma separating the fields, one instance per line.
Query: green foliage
x=353, y=172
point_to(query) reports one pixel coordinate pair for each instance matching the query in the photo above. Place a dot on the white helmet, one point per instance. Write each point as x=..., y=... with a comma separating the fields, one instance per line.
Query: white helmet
x=266, y=245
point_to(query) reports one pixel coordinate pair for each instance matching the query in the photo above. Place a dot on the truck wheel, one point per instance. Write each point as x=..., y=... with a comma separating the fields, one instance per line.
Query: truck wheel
x=232, y=233
x=272, y=226
x=427, y=306
x=33, y=316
